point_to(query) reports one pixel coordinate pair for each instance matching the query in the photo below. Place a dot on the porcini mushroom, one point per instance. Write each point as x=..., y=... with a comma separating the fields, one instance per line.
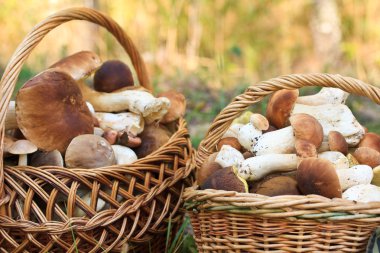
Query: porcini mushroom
x=208, y=167
x=22, y=148
x=280, y=106
x=124, y=155
x=50, y=111
x=276, y=185
x=327, y=95
x=305, y=149
x=131, y=122
x=225, y=179
x=152, y=138
x=367, y=156
x=371, y=140
x=362, y=193
x=50, y=158
x=112, y=75
x=337, y=142
x=249, y=134
x=177, y=107
x=318, y=176
x=89, y=151
x=228, y=156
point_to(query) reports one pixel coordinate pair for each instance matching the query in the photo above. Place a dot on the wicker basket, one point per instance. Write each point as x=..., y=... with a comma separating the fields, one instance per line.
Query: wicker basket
x=225, y=221
x=150, y=189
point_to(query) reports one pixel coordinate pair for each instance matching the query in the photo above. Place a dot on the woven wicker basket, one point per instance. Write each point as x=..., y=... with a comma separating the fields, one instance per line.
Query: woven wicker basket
x=151, y=188
x=225, y=221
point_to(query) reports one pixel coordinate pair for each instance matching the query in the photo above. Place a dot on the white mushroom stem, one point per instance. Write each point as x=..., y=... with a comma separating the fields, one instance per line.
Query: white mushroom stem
x=23, y=160
x=339, y=160
x=359, y=174
x=228, y=156
x=248, y=136
x=131, y=122
x=362, y=193
x=257, y=167
x=326, y=95
x=335, y=118
x=137, y=101
x=124, y=155
x=10, y=117
x=276, y=142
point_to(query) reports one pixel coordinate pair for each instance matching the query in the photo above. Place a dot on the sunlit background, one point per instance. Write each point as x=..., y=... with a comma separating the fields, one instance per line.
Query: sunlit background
x=211, y=50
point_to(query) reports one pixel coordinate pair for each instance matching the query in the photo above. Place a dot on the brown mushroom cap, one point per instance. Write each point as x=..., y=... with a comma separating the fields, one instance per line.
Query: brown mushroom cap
x=337, y=142
x=22, y=147
x=78, y=65
x=307, y=128
x=276, y=185
x=89, y=151
x=305, y=149
x=51, y=158
x=371, y=140
x=225, y=179
x=280, y=106
x=152, y=138
x=318, y=176
x=50, y=111
x=112, y=75
x=231, y=141
x=208, y=167
x=177, y=107
x=367, y=156
x=259, y=121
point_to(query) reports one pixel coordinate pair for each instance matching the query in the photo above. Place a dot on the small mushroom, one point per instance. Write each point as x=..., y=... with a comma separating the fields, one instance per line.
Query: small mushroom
x=112, y=75
x=152, y=138
x=327, y=95
x=228, y=156
x=89, y=151
x=225, y=179
x=280, y=106
x=318, y=176
x=367, y=156
x=124, y=155
x=276, y=185
x=359, y=174
x=231, y=141
x=22, y=148
x=50, y=158
x=362, y=193
x=177, y=106
x=371, y=140
x=337, y=142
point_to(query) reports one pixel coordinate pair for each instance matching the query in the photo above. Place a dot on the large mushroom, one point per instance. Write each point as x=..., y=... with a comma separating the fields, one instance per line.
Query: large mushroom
x=50, y=111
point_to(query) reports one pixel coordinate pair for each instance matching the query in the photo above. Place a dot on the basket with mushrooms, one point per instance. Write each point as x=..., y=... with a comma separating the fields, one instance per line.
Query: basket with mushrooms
x=91, y=161
x=304, y=177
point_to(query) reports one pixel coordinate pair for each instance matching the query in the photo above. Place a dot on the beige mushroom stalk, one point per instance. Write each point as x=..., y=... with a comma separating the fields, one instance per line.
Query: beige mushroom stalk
x=326, y=95
x=137, y=101
x=131, y=122
x=257, y=167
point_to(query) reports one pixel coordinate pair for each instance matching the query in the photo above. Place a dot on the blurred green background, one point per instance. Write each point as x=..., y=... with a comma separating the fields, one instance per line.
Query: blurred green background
x=212, y=50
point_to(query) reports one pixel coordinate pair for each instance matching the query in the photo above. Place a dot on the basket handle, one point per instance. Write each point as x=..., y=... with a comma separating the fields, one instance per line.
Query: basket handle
x=8, y=81
x=256, y=93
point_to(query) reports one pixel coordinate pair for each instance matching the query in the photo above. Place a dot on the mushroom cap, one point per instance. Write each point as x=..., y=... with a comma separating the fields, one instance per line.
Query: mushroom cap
x=177, y=107
x=51, y=158
x=231, y=141
x=208, y=167
x=22, y=147
x=225, y=179
x=367, y=156
x=307, y=128
x=259, y=121
x=337, y=142
x=112, y=75
x=280, y=106
x=305, y=149
x=50, y=111
x=318, y=176
x=152, y=138
x=89, y=151
x=276, y=185
x=371, y=140
x=78, y=65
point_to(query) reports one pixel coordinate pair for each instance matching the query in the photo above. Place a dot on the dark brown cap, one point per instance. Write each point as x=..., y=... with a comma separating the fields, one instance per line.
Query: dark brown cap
x=280, y=106
x=225, y=179
x=276, y=185
x=337, y=142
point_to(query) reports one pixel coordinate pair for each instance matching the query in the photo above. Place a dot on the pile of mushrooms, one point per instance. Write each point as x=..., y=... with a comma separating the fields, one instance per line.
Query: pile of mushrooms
x=304, y=145
x=65, y=117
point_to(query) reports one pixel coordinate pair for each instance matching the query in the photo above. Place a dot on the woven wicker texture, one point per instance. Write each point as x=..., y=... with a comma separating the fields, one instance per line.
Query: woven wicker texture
x=141, y=199
x=242, y=222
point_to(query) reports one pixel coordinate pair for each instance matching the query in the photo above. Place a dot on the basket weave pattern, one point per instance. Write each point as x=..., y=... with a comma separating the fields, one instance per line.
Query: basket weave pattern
x=226, y=221
x=142, y=199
